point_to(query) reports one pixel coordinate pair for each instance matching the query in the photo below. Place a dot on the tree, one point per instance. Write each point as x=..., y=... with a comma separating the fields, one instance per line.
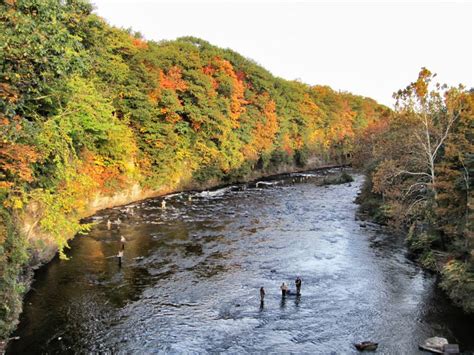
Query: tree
x=433, y=113
x=424, y=122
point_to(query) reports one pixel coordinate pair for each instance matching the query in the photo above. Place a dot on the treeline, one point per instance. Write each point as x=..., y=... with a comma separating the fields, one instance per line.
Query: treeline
x=420, y=168
x=86, y=108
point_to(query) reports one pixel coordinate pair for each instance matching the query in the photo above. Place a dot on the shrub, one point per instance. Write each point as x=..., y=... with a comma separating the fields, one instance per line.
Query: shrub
x=458, y=282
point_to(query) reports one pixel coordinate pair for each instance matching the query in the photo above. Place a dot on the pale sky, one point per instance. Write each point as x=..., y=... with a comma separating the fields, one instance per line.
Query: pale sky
x=369, y=48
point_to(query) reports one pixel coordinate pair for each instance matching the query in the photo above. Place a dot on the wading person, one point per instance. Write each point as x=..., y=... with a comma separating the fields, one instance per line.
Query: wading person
x=284, y=289
x=119, y=256
x=262, y=294
x=123, y=241
x=298, y=285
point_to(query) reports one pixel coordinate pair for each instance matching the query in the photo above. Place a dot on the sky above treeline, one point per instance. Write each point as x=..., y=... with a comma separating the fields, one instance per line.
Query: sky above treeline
x=370, y=48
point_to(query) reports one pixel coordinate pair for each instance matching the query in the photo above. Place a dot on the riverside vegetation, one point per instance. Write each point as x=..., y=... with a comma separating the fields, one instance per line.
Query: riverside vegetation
x=419, y=165
x=89, y=110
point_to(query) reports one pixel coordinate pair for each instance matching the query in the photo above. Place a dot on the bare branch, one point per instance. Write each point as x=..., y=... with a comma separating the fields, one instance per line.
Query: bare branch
x=445, y=135
x=415, y=203
x=412, y=186
x=412, y=173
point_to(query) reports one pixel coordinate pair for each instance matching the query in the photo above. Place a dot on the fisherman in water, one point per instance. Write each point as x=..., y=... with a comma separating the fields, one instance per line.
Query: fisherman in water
x=262, y=294
x=123, y=241
x=284, y=289
x=120, y=256
x=298, y=285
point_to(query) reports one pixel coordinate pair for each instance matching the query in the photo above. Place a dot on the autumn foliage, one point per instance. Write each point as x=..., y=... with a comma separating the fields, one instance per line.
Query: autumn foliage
x=420, y=163
x=87, y=109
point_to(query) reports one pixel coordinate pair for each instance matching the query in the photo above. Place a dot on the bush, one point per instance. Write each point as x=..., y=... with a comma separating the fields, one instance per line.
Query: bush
x=13, y=256
x=458, y=282
x=207, y=173
x=345, y=177
x=301, y=157
x=279, y=157
x=428, y=260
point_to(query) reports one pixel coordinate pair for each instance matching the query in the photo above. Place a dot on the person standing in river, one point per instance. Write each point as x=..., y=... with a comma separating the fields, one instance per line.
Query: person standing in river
x=284, y=289
x=120, y=256
x=298, y=285
x=262, y=294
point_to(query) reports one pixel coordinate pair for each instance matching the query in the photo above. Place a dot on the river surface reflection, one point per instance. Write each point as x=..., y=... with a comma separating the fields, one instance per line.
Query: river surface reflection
x=191, y=275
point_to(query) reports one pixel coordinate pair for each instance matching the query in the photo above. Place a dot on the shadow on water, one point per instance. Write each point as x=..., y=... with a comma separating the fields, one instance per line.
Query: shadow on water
x=191, y=275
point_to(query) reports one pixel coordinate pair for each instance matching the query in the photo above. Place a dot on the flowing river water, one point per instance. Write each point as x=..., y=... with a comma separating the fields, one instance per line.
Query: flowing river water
x=191, y=274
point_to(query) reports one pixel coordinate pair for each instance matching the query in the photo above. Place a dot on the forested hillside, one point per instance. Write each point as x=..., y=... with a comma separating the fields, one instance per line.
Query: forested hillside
x=87, y=109
x=420, y=168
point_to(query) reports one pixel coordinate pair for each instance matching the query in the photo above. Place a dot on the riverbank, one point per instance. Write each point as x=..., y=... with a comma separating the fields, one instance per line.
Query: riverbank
x=42, y=248
x=454, y=271
x=29, y=220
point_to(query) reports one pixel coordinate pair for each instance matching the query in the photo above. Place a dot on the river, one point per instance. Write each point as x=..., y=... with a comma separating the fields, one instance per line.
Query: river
x=191, y=274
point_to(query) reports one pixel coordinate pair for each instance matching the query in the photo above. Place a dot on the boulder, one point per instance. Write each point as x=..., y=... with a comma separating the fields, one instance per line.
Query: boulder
x=435, y=345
